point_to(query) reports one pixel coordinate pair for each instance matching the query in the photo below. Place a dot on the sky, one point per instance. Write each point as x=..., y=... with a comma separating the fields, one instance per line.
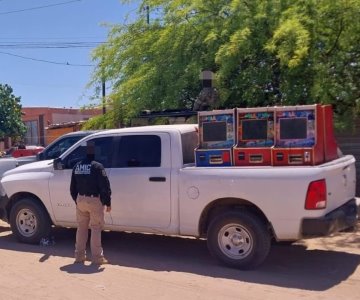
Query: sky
x=33, y=60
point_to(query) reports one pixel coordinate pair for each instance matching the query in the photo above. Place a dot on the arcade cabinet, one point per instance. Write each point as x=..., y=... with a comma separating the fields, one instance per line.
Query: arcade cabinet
x=299, y=135
x=255, y=136
x=216, y=138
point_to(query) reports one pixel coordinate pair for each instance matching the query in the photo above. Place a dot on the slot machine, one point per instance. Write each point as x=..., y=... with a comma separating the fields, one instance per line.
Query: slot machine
x=255, y=136
x=299, y=135
x=216, y=138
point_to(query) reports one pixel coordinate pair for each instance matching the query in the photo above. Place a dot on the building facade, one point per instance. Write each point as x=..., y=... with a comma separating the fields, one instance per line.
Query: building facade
x=39, y=119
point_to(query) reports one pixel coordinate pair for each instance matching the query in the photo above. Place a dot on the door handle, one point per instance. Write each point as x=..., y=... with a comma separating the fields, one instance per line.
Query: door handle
x=157, y=179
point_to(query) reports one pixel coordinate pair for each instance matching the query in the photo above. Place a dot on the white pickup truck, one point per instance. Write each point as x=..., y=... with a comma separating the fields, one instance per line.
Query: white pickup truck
x=156, y=188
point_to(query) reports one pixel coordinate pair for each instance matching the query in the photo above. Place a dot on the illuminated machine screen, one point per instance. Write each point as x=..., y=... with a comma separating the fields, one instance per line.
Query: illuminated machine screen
x=214, y=131
x=293, y=128
x=254, y=129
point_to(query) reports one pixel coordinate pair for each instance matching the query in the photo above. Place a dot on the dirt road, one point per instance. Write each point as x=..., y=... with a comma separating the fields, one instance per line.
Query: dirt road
x=157, y=267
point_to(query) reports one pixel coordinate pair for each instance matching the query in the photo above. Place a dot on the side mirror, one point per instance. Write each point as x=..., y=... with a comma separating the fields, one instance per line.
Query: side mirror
x=58, y=164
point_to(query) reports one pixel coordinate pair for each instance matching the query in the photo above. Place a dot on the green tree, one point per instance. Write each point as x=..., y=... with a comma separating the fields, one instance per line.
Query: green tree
x=317, y=43
x=10, y=114
x=273, y=52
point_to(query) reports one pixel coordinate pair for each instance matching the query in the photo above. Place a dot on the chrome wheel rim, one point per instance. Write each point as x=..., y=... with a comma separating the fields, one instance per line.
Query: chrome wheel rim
x=26, y=222
x=235, y=241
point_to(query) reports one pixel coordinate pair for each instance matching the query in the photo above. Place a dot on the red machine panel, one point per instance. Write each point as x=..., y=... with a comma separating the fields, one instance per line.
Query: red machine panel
x=293, y=156
x=252, y=156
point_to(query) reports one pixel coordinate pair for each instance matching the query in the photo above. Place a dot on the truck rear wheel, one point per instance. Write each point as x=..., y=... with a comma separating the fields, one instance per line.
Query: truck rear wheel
x=29, y=221
x=239, y=239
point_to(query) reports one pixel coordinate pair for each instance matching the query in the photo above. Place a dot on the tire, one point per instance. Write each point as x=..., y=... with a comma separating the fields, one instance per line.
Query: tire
x=239, y=239
x=29, y=221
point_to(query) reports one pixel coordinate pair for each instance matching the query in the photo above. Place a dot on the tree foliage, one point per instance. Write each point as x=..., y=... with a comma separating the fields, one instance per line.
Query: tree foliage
x=273, y=52
x=10, y=114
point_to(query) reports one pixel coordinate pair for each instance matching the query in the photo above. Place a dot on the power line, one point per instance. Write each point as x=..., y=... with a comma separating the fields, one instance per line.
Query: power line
x=46, y=61
x=50, y=38
x=38, y=7
x=48, y=45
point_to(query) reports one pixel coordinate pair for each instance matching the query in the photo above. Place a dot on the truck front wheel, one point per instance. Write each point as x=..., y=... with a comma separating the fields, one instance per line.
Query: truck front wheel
x=239, y=239
x=29, y=221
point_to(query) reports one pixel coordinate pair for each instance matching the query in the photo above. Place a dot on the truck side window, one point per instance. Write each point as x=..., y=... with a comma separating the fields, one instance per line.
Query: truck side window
x=60, y=147
x=138, y=151
x=103, y=153
x=75, y=156
x=189, y=142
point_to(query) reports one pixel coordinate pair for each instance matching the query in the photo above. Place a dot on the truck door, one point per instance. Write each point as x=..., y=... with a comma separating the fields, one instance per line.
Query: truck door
x=140, y=180
x=59, y=184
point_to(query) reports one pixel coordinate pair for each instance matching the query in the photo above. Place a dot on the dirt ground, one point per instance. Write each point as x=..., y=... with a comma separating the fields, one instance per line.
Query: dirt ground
x=157, y=267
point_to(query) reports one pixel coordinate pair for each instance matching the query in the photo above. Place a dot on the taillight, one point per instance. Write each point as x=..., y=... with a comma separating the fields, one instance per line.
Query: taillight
x=316, y=195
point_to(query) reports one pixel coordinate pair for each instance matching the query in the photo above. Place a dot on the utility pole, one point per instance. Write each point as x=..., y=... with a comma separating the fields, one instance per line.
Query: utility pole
x=103, y=96
x=103, y=84
x=147, y=8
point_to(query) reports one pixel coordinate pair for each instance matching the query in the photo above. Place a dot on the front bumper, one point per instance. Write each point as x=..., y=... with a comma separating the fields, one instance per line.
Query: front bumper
x=341, y=218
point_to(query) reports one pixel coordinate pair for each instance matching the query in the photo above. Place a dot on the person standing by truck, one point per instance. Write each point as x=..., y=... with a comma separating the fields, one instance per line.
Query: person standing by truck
x=90, y=189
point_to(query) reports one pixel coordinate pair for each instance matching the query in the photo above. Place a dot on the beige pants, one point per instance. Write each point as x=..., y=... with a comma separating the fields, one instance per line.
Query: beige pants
x=89, y=212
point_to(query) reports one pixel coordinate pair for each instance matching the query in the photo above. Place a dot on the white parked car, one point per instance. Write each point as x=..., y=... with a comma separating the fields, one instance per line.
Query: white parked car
x=53, y=150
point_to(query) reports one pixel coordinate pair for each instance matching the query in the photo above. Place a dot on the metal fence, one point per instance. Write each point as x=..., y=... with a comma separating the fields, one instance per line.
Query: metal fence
x=349, y=143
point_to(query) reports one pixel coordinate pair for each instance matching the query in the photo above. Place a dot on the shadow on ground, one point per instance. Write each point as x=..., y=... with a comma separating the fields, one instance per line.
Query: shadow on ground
x=287, y=266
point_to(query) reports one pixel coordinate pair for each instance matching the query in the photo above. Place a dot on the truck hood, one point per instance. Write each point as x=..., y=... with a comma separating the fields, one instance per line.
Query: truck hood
x=45, y=165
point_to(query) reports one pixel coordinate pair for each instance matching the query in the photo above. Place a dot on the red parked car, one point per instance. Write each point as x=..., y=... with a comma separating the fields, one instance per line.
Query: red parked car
x=24, y=151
